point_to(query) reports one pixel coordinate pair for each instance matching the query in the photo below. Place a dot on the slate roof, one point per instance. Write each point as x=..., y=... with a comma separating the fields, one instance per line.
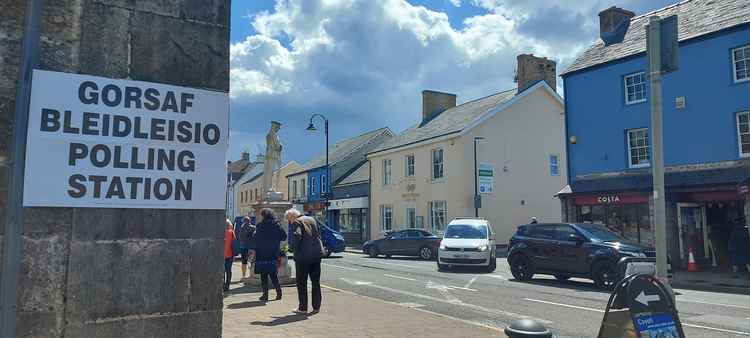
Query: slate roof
x=450, y=121
x=695, y=18
x=341, y=150
x=681, y=179
x=360, y=174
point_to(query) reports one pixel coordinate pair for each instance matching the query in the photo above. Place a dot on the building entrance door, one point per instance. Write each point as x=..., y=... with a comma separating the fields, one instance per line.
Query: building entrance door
x=693, y=232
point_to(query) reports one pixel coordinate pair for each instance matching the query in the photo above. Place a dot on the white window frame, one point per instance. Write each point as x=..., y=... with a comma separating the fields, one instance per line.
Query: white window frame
x=740, y=133
x=323, y=183
x=746, y=59
x=386, y=217
x=294, y=189
x=630, y=148
x=554, y=164
x=303, y=186
x=410, y=168
x=387, y=174
x=313, y=183
x=411, y=217
x=433, y=164
x=436, y=209
x=643, y=83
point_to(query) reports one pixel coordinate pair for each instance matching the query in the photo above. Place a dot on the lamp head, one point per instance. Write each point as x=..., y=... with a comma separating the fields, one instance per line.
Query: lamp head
x=311, y=127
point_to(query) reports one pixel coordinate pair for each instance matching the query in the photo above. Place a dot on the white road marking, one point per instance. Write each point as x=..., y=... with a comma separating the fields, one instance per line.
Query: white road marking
x=461, y=288
x=470, y=282
x=411, y=305
x=340, y=267
x=501, y=277
x=443, y=290
x=399, y=277
x=478, y=308
x=709, y=303
x=565, y=305
x=355, y=282
x=717, y=329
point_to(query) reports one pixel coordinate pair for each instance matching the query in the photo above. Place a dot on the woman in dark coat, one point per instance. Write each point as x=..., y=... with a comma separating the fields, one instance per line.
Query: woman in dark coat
x=268, y=237
x=739, y=248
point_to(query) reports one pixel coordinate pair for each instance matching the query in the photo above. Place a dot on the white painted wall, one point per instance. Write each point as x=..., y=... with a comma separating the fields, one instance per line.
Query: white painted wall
x=520, y=138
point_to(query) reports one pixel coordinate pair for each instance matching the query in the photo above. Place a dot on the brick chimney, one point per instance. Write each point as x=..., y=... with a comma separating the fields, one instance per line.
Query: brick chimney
x=245, y=156
x=532, y=69
x=613, y=24
x=434, y=103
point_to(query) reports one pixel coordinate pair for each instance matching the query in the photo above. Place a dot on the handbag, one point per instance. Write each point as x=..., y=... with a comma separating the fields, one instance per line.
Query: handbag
x=310, y=247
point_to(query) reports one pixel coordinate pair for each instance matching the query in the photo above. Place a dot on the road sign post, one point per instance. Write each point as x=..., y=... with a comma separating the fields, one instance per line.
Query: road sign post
x=662, y=54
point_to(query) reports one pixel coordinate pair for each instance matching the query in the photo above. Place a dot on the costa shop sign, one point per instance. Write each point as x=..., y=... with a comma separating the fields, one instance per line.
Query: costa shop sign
x=611, y=199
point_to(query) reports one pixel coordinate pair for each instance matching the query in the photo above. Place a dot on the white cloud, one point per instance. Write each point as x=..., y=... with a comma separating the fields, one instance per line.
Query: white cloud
x=456, y=3
x=364, y=62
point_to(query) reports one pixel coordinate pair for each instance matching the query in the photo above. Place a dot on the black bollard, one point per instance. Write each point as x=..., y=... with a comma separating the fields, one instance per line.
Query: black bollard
x=523, y=328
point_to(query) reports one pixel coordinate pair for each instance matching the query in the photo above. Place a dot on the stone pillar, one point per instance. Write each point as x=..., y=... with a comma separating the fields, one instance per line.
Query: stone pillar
x=119, y=272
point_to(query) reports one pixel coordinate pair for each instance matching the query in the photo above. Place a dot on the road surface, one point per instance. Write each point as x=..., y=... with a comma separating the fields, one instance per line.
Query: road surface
x=571, y=309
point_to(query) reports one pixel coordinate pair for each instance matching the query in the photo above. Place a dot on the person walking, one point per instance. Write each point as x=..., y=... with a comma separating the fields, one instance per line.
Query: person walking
x=268, y=237
x=247, y=243
x=308, y=252
x=739, y=248
x=228, y=253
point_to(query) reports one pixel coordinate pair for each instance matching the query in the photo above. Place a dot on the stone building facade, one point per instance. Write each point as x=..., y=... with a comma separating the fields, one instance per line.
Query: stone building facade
x=106, y=272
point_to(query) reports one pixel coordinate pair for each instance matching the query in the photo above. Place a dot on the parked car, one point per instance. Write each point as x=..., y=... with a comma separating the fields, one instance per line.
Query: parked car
x=410, y=242
x=467, y=242
x=570, y=250
x=333, y=241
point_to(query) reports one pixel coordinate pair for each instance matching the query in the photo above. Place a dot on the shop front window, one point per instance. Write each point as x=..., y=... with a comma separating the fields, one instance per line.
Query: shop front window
x=631, y=221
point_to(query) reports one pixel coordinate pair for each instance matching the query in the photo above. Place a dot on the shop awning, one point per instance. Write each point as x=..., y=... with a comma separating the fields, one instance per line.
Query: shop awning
x=691, y=178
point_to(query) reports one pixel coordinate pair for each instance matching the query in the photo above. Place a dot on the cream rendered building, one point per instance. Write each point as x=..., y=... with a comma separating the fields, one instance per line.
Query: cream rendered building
x=249, y=192
x=424, y=177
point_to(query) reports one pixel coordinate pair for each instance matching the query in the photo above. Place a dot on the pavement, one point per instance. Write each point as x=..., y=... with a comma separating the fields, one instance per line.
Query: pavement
x=571, y=308
x=343, y=314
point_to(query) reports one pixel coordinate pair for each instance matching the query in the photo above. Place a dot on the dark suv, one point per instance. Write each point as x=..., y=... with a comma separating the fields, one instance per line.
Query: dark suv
x=570, y=250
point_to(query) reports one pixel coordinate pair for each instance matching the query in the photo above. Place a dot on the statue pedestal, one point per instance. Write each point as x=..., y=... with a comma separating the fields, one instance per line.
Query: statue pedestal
x=279, y=207
x=284, y=272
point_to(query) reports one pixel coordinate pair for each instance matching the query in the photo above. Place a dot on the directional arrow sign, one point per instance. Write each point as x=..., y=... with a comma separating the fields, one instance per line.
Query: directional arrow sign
x=644, y=299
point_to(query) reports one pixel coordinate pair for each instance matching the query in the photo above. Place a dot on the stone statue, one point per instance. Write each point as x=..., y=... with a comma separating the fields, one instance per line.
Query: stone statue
x=272, y=161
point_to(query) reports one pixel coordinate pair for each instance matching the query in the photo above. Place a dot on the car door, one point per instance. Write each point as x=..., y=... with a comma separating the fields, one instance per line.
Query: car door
x=413, y=242
x=569, y=255
x=392, y=244
x=542, y=242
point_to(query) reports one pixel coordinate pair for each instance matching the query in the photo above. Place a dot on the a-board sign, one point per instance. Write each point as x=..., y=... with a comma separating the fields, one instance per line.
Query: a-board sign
x=100, y=142
x=641, y=306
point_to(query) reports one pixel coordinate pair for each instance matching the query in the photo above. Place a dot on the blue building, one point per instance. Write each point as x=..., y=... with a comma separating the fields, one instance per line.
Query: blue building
x=311, y=188
x=706, y=114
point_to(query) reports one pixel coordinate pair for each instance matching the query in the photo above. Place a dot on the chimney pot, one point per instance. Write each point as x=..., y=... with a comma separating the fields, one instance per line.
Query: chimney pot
x=532, y=69
x=613, y=24
x=434, y=103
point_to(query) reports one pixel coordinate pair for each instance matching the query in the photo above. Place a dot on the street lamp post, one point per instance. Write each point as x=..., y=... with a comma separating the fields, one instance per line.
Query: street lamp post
x=477, y=198
x=311, y=127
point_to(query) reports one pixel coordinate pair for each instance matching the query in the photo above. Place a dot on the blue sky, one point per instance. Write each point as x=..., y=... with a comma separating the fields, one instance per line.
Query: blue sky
x=364, y=63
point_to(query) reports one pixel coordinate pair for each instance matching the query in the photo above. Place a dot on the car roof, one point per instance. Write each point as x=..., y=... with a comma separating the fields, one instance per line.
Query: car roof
x=467, y=220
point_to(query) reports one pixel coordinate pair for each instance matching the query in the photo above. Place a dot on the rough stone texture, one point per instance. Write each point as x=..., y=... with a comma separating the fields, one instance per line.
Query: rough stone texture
x=119, y=272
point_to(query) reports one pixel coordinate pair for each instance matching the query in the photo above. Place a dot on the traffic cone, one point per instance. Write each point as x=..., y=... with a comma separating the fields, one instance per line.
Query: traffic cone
x=692, y=267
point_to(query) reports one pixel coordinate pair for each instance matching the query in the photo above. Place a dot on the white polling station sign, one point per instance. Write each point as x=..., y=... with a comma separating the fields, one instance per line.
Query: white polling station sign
x=96, y=142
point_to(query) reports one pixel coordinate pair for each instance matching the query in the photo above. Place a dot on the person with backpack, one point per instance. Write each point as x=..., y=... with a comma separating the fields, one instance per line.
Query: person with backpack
x=228, y=253
x=247, y=243
x=308, y=252
x=268, y=237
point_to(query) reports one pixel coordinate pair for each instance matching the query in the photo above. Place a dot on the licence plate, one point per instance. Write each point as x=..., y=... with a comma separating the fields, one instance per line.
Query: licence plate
x=460, y=256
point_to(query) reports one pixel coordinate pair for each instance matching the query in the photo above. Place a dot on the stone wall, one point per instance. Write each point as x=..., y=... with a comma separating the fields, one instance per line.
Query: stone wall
x=119, y=272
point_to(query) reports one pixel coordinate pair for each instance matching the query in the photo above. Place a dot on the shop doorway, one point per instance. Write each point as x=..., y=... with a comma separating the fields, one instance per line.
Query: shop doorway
x=720, y=216
x=693, y=232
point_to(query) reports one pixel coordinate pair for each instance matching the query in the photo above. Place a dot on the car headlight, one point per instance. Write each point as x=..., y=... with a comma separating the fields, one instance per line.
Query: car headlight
x=482, y=248
x=442, y=246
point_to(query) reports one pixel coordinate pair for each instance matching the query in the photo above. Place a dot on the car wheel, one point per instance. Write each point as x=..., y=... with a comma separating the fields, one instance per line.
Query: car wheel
x=604, y=276
x=521, y=268
x=493, y=264
x=562, y=277
x=373, y=252
x=425, y=253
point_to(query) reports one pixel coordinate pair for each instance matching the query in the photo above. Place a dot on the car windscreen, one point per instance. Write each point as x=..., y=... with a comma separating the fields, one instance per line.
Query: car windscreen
x=601, y=233
x=466, y=231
